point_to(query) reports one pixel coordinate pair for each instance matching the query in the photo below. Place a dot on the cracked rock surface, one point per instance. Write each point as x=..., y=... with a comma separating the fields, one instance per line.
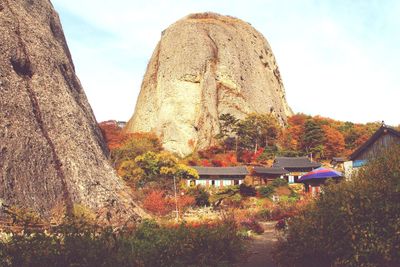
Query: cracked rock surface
x=52, y=152
x=206, y=65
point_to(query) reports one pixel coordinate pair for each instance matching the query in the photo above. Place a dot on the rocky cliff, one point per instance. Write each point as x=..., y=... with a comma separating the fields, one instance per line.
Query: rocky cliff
x=206, y=65
x=52, y=153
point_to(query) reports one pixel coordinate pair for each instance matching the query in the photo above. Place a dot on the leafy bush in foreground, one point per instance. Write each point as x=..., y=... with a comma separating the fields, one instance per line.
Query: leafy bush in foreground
x=266, y=191
x=279, y=182
x=81, y=244
x=353, y=223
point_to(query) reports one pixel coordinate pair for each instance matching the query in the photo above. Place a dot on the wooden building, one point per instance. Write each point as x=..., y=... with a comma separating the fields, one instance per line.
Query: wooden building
x=263, y=175
x=219, y=176
x=296, y=166
x=382, y=139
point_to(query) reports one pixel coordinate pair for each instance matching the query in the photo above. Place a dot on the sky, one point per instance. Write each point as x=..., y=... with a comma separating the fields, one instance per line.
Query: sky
x=338, y=58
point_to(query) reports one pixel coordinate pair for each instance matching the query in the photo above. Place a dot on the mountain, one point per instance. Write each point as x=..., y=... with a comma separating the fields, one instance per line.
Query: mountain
x=52, y=153
x=206, y=65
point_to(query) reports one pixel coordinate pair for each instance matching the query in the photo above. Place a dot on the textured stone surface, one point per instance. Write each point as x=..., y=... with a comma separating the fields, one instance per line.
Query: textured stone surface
x=206, y=65
x=52, y=152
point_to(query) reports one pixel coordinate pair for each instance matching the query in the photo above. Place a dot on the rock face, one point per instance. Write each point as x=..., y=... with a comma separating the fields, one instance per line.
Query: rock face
x=206, y=65
x=52, y=152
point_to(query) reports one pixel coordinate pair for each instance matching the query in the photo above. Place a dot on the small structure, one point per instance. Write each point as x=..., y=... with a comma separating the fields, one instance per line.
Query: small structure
x=263, y=175
x=314, y=179
x=382, y=139
x=219, y=176
x=296, y=166
x=338, y=163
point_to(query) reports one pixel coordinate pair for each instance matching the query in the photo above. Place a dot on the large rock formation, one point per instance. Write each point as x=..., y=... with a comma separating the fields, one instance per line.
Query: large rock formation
x=206, y=65
x=52, y=153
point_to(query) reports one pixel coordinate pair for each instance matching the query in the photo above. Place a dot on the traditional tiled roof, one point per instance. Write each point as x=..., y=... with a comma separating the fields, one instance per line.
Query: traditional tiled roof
x=384, y=129
x=295, y=162
x=272, y=170
x=338, y=159
x=239, y=170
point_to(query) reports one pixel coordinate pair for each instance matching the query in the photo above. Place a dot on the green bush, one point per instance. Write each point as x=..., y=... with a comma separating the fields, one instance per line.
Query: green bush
x=353, y=223
x=279, y=182
x=201, y=196
x=264, y=214
x=247, y=190
x=81, y=244
x=266, y=191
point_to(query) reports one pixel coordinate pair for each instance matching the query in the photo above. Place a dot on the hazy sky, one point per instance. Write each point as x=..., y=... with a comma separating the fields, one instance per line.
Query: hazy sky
x=339, y=58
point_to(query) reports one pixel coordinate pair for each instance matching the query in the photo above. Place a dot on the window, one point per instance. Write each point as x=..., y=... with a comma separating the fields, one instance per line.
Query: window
x=359, y=163
x=226, y=182
x=236, y=182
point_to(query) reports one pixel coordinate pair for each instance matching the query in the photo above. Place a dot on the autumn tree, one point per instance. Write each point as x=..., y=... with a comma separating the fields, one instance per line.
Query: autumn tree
x=292, y=136
x=113, y=134
x=160, y=167
x=334, y=144
x=137, y=144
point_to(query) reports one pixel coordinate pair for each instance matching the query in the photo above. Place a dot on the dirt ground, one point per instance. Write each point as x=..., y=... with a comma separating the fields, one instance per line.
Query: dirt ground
x=260, y=247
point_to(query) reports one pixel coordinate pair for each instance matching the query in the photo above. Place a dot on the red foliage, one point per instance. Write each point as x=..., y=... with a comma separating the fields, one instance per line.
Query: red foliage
x=257, y=154
x=183, y=202
x=298, y=119
x=249, y=156
x=210, y=152
x=218, y=163
x=156, y=203
x=113, y=134
x=205, y=163
x=217, y=160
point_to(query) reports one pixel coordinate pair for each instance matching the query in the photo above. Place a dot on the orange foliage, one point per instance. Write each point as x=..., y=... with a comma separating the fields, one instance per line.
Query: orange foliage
x=183, y=202
x=224, y=160
x=298, y=119
x=291, y=137
x=334, y=142
x=156, y=203
x=250, y=156
x=205, y=163
x=113, y=134
x=210, y=152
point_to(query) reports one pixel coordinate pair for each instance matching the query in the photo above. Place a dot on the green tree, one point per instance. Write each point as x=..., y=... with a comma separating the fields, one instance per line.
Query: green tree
x=227, y=135
x=313, y=138
x=257, y=131
x=161, y=166
x=138, y=144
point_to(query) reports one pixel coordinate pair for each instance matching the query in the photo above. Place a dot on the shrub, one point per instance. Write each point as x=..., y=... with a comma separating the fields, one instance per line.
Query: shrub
x=353, y=223
x=264, y=214
x=266, y=191
x=253, y=225
x=247, y=190
x=183, y=201
x=81, y=244
x=200, y=195
x=156, y=203
x=279, y=182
